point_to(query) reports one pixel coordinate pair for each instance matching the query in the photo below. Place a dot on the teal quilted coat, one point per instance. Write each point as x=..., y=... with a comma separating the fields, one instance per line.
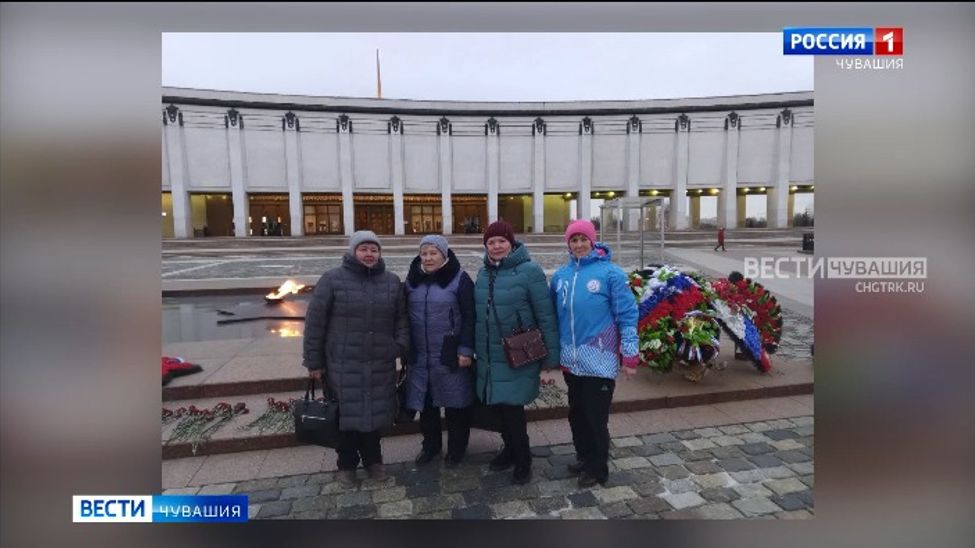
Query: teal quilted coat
x=520, y=296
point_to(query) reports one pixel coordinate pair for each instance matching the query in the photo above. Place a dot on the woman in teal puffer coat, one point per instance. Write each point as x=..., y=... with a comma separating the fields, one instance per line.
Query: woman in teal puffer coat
x=511, y=291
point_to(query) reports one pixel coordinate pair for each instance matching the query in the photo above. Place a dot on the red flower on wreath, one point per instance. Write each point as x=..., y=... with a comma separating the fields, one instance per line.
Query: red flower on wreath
x=765, y=310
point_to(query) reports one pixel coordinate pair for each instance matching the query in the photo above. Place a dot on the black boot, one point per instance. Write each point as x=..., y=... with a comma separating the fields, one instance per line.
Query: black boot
x=503, y=460
x=425, y=456
x=452, y=461
x=587, y=480
x=522, y=475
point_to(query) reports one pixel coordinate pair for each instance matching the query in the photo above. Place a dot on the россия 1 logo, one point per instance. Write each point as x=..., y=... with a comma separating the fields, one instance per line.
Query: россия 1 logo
x=857, y=41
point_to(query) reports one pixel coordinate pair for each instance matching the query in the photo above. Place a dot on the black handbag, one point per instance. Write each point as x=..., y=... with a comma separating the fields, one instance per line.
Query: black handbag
x=448, y=354
x=316, y=422
x=450, y=348
x=403, y=413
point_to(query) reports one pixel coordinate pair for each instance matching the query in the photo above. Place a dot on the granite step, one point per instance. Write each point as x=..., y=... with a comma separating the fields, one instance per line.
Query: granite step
x=234, y=367
x=252, y=370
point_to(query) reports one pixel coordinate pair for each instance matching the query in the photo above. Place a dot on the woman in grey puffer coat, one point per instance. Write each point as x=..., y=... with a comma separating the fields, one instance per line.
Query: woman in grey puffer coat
x=355, y=328
x=440, y=297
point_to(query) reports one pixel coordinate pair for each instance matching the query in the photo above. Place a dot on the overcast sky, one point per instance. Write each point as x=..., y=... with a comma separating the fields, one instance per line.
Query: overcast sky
x=492, y=67
x=487, y=66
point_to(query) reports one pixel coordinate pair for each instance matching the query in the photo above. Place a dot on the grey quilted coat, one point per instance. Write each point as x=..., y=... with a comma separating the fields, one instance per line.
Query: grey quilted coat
x=355, y=328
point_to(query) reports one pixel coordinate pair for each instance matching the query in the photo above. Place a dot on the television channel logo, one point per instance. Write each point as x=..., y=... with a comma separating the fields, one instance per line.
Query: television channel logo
x=159, y=508
x=860, y=41
x=111, y=509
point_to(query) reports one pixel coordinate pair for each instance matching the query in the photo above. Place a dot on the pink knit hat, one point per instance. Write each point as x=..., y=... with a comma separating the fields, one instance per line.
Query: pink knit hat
x=581, y=226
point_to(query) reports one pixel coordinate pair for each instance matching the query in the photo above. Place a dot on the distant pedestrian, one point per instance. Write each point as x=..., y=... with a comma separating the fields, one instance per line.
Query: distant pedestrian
x=720, y=240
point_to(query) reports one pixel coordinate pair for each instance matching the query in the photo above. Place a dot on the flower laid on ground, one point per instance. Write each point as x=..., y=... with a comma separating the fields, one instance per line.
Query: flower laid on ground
x=738, y=324
x=703, y=282
x=699, y=338
x=196, y=426
x=762, y=307
x=698, y=345
x=177, y=367
x=276, y=419
x=168, y=415
x=753, y=342
x=657, y=344
x=667, y=300
x=681, y=317
x=550, y=394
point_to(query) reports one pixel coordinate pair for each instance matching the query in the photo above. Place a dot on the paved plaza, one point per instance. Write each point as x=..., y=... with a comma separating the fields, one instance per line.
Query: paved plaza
x=699, y=462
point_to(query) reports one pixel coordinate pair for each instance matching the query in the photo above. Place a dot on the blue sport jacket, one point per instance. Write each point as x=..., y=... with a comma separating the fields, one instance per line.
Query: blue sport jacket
x=597, y=314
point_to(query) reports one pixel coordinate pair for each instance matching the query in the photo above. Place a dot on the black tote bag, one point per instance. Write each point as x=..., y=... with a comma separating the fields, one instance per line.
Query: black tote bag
x=316, y=422
x=404, y=414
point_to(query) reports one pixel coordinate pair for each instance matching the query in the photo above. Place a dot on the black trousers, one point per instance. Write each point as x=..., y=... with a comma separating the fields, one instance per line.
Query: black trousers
x=514, y=433
x=356, y=446
x=721, y=245
x=589, y=400
x=458, y=428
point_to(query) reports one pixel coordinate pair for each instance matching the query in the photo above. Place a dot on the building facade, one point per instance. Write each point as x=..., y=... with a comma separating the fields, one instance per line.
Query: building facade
x=248, y=165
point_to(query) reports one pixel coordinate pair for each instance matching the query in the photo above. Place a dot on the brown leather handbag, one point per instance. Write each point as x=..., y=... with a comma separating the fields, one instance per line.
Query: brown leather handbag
x=523, y=346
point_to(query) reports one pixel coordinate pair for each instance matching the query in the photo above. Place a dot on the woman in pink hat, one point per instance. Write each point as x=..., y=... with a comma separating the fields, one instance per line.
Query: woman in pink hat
x=597, y=330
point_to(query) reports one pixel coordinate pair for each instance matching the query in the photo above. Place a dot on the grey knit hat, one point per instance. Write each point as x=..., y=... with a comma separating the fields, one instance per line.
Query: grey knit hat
x=436, y=241
x=363, y=237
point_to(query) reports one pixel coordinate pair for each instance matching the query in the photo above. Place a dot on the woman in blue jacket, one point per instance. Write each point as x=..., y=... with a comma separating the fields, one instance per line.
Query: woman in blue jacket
x=440, y=297
x=597, y=329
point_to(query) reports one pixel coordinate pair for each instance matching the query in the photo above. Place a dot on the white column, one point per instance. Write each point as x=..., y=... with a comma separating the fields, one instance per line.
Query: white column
x=678, y=198
x=727, y=204
x=792, y=209
x=634, y=132
x=446, y=171
x=344, y=129
x=397, y=174
x=493, y=178
x=538, y=181
x=292, y=171
x=585, y=169
x=235, y=155
x=778, y=191
x=178, y=172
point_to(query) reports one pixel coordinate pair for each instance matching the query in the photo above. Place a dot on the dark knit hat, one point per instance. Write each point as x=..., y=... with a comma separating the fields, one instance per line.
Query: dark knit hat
x=500, y=228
